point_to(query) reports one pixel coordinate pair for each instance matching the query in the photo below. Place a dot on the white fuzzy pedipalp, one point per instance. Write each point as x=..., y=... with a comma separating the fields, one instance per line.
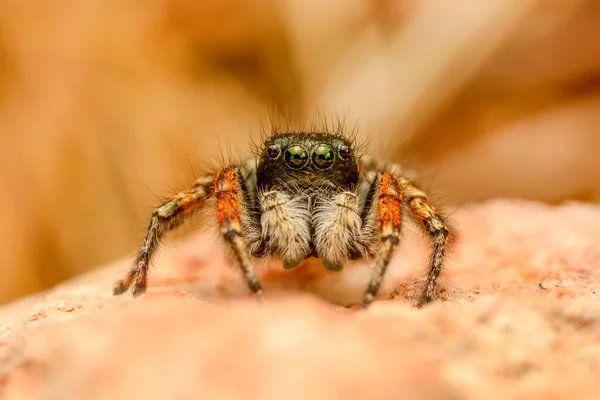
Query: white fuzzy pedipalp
x=285, y=222
x=337, y=226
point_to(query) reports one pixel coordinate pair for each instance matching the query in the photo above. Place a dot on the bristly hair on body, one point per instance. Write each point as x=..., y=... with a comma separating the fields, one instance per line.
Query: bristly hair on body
x=286, y=122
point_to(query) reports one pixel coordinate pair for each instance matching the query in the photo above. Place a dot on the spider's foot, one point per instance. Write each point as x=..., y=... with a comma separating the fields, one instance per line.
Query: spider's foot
x=138, y=291
x=139, y=287
x=424, y=300
x=119, y=288
x=333, y=266
x=367, y=300
x=291, y=264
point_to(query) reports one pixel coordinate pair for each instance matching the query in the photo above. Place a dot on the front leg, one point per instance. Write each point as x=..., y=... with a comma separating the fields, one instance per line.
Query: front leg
x=431, y=221
x=164, y=218
x=433, y=224
x=229, y=197
x=388, y=210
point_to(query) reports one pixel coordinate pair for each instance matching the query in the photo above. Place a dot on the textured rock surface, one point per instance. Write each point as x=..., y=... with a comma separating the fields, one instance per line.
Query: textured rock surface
x=519, y=316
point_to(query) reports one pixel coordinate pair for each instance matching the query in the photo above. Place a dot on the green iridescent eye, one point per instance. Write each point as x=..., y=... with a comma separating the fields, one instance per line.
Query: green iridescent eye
x=323, y=156
x=296, y=156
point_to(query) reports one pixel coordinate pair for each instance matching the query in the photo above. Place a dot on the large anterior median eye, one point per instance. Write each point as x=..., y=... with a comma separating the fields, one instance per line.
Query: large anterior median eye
x=296, y=156
x=323, y=156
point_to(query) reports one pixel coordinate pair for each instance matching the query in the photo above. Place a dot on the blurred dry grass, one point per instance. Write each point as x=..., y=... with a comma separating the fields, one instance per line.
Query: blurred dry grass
x=107, y=105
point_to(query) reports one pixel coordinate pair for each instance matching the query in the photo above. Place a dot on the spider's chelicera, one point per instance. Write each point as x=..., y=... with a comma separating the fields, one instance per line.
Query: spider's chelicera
x=304, y=195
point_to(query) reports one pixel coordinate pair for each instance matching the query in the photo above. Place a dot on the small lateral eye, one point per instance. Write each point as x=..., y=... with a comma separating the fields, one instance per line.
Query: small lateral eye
x=273, y=151
x=296, y=156
x=323, y=156
x=344, y=152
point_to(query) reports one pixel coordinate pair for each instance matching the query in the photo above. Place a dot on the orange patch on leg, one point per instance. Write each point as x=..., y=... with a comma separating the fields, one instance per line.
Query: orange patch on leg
x=226, y=192
x=390, y=195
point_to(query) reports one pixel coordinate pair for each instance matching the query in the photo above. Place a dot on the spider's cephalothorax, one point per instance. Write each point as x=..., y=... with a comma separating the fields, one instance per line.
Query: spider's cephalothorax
x=305, y=195
x=300, y=162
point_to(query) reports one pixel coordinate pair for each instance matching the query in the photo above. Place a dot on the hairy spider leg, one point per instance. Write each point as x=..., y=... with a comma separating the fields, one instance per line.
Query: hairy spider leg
x=433, y=224
x=227, y=192
x=389, y=199
x=165, y=218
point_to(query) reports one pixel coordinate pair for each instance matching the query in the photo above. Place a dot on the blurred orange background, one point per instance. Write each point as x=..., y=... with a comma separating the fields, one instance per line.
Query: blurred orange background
x=107, y=106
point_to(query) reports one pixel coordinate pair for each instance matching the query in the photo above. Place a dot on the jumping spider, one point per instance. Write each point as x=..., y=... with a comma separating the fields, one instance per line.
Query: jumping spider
x=304, y=195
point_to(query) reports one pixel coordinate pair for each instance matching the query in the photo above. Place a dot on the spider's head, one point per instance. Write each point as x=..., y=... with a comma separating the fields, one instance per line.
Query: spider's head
x=308, y=160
